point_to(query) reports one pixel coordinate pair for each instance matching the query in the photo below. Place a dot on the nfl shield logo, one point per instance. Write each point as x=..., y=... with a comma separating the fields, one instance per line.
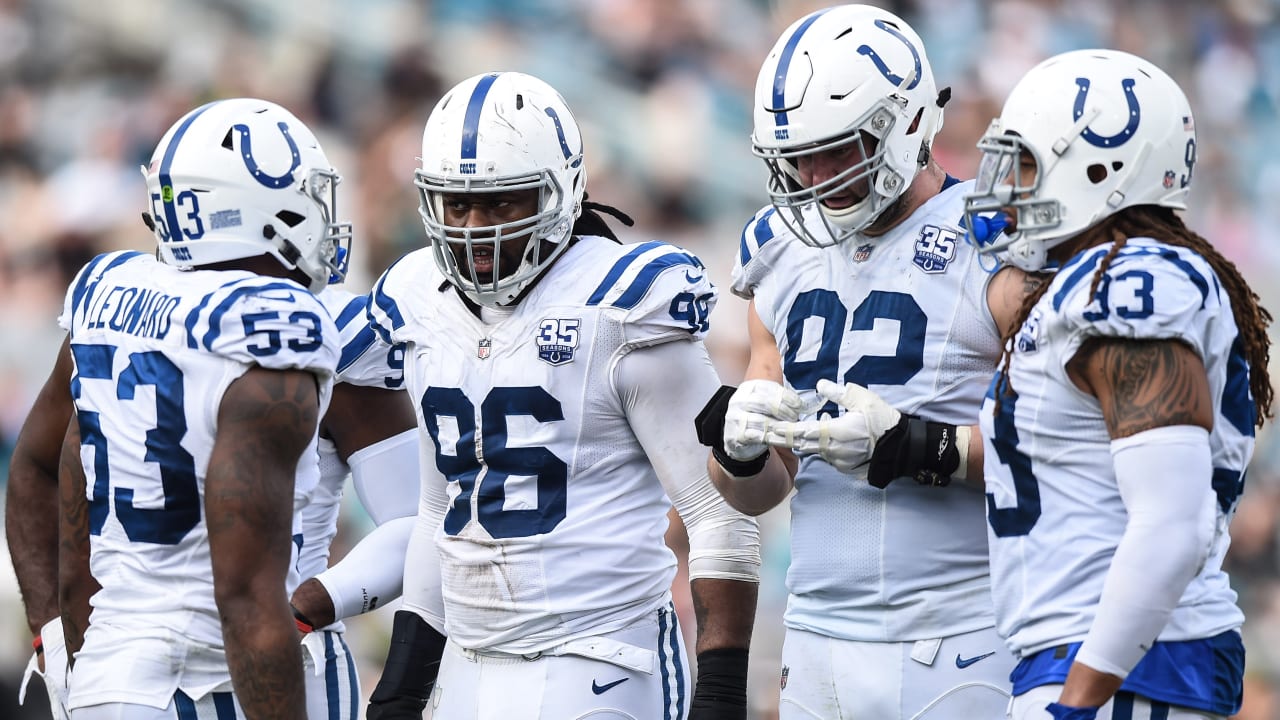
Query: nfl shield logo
x=482, y=350
x=1168, y=179
x=861, y=254
x=785, y=672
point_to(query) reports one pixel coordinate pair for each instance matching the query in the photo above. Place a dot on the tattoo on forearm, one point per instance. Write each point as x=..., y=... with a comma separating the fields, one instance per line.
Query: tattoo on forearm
x=1153, y=384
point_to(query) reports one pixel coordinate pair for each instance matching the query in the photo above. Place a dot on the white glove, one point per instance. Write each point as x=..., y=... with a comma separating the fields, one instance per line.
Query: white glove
x=754, y=407
x=55, y=669
x=845, y=442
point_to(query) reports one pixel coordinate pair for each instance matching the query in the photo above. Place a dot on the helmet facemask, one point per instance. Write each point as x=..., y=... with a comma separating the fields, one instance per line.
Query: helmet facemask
x=1007, y=185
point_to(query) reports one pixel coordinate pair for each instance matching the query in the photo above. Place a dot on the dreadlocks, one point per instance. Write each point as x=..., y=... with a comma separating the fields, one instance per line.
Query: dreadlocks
x=1163, y=224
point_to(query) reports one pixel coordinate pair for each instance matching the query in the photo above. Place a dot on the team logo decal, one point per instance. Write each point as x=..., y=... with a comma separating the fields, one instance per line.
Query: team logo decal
x=935, y=248
x=1108, y=141
x=1029, y=335
x=862, y=253
x=483, y=349
x=557, y=340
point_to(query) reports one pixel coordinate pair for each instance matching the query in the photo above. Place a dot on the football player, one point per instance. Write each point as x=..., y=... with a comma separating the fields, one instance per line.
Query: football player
x=197, y=386
x=858, y=276
x=557, y=373
x=1120, y=425
x=367, y=432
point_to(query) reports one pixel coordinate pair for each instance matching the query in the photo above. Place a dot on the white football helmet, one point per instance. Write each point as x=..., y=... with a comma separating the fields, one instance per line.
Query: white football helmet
x=854, y=77
x=501, y=132
x=240, y=178
x=1107, y=130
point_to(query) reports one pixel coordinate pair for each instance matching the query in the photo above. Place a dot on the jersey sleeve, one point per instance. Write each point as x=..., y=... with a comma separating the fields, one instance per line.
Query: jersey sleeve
x=1149, y=292
x=753, y=263
x=663, y=292
x=271, y=323
x=365, y=359
x=400, y=288
x=82, y=285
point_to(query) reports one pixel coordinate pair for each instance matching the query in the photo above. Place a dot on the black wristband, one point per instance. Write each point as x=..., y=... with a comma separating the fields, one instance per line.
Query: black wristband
x=740, y=468
x=302, y=621
x=409, y=674
x=721, y=689
x=922, y=450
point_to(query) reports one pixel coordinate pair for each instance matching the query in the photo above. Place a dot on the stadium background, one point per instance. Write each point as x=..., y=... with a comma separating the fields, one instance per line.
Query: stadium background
x=663, y=91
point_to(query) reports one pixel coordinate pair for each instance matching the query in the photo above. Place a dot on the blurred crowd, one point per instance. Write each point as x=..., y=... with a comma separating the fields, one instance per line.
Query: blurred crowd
x=663, y=91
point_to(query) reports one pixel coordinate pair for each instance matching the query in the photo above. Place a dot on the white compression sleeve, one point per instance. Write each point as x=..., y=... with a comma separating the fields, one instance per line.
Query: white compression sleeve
x=372, y=574
x=423, y=593
x=663, y=387
x=1164, y=476
x=385, y=476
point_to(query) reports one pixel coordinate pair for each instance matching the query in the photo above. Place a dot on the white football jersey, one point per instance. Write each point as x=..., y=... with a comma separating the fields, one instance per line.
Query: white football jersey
x=556, y=518
x=1055, y=511
x=155, y=348
x=904, y=314
x=365, y=360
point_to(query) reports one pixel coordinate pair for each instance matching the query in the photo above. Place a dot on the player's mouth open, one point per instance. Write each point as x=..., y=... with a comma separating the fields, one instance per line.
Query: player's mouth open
x=482, y=260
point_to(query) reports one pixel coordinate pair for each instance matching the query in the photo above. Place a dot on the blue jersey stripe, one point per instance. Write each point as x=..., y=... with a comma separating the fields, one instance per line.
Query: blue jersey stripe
x=353, y=683
x=215, y=317
x=1122, y=706
x=662, y=665
x=166, y=163
x=784, y=64
x=84, y=289
x=763, y=233
x=224, y=706
x=355, y=307
x=649, y=275
x=357, y=347
x=618, y=268
x=384, y=302
x=331, y=689
x=471, y=121
x=1085, y=267
x=185, y=706
x=675, y=655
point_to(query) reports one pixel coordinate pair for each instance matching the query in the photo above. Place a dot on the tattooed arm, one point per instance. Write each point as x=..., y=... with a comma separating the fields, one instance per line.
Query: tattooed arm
x=1154, y=397
x=32, y=495
x=75, y=584
x=1143, y=384
x=265, y=423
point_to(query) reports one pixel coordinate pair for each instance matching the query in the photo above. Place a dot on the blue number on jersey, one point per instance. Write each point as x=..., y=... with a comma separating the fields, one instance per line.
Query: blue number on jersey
x=313, y=342
x=1017, y=520
x=181, y=511
x=897, y=369
x=503, y=462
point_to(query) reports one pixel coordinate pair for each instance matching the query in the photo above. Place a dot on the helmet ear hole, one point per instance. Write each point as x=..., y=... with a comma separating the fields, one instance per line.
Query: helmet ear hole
x=1116, y=165
x=1096, y=172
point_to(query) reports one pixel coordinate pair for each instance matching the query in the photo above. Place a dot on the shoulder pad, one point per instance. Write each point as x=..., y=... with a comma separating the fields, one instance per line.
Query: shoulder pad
x=365, y=358
x=269, y=322
x=1149, y=291
x=400, y=288
x=662, y=288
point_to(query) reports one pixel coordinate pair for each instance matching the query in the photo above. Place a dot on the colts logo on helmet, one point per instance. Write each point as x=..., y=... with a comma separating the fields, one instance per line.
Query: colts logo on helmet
x=274, y=182
x=1108, y=141
x=884, y=69
x=557, y=340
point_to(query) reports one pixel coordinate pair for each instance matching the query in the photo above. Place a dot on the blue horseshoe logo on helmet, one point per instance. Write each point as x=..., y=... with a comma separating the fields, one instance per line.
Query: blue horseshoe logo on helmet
x=1120, y=138
x=564, y=144
x=274, y=182
x=884, y=69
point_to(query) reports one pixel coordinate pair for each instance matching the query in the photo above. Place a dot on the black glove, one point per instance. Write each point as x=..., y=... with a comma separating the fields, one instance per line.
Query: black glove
x=922, y=450
x=409, y=674
x=721, y=690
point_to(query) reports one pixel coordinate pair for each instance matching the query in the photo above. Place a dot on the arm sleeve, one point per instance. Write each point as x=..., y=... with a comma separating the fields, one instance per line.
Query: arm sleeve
x=423, y=593
x=1164, y=478
x=386, y=476
x=723, y=543
x=372, y=574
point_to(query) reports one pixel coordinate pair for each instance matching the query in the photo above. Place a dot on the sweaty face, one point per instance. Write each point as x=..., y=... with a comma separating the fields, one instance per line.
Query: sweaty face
x=492, y=249
x=823, y=166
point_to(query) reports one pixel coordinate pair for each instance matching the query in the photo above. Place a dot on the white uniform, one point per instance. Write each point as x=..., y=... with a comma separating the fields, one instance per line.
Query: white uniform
x=333, y=688
x=553, y=540
x=155, y=348
x=1055, y=510
x=904, y=314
